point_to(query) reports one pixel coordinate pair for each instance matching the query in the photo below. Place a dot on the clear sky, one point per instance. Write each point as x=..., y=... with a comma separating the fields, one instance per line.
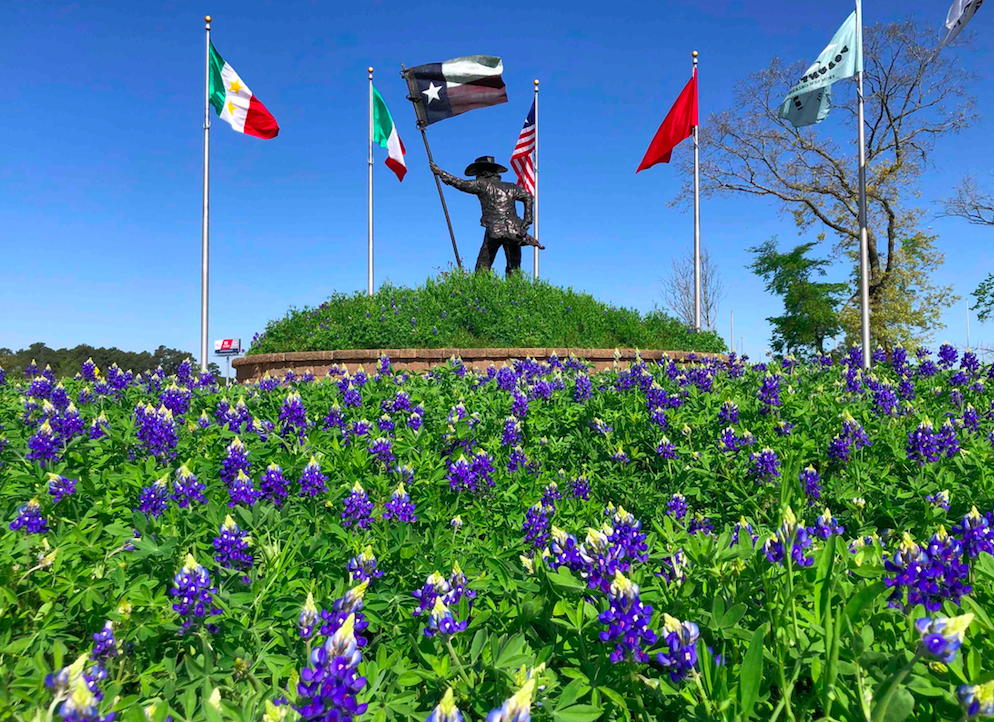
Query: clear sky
x=100, y=168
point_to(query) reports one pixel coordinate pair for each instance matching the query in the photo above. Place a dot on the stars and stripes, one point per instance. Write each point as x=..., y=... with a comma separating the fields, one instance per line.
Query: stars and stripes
x=523, y=157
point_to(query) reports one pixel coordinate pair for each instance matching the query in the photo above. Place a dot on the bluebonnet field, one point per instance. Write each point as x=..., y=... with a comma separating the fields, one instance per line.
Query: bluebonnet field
x=724, y=541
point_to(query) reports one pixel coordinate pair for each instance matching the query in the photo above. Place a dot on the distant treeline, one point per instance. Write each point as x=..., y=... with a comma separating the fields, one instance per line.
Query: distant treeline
x=67, y=361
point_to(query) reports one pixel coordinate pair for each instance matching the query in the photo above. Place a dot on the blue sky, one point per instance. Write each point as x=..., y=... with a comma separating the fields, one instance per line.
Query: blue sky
x=101, y=186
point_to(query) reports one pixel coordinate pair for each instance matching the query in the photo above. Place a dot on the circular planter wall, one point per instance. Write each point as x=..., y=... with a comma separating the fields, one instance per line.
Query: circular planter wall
x=253, y=368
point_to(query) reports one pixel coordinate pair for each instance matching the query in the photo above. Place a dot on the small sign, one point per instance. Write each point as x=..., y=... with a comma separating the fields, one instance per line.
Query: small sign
x=228, y=347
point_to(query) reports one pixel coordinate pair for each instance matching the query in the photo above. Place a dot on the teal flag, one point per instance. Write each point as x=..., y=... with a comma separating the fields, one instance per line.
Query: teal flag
x=809, y=101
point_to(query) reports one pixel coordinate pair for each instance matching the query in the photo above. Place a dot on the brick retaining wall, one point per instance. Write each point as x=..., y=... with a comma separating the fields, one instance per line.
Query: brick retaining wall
x=253, y=368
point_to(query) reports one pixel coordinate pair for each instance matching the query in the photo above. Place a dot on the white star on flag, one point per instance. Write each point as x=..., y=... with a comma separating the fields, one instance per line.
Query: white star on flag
x=432, y=93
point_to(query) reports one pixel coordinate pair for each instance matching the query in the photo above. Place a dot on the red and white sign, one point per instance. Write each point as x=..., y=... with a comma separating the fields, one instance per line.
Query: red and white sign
x=228, y=347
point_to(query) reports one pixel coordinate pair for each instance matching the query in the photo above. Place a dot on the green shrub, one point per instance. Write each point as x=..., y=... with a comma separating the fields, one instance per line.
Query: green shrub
x=459, y=310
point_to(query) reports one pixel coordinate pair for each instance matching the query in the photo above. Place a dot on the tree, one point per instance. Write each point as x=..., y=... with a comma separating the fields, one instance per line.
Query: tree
x=810, y=308
x=67, y=361
x=914, y=96
x=971, y=202
x=678, y=290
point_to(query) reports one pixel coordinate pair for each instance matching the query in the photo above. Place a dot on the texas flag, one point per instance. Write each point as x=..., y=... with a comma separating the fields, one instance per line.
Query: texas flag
x=459, y=85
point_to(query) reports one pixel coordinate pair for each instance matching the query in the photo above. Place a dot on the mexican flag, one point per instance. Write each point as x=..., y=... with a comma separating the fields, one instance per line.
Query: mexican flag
x=385, y=133
x=235, y=103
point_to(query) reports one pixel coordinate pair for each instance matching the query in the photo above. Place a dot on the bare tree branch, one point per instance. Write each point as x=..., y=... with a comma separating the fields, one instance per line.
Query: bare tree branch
x=678, y=290
x=971, y=202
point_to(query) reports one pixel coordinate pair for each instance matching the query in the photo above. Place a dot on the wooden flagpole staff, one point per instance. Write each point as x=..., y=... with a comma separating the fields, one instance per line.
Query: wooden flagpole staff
x=414, y=97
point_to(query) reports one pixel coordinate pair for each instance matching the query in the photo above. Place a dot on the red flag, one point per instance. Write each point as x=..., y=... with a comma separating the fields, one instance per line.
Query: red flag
x=678, y=125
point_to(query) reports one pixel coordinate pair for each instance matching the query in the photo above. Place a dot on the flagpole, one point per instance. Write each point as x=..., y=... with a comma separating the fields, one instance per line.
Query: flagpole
x=205, y=230
x=864, y=255
x=535, y=248
x=369, y=194
x=697, y=222
x=413, y=96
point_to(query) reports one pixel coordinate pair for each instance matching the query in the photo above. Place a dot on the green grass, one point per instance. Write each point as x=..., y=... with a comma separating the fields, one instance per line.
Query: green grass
x=458, y=310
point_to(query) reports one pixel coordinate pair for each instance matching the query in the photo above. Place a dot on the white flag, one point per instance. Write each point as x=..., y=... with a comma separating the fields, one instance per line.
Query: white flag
x=959, y=15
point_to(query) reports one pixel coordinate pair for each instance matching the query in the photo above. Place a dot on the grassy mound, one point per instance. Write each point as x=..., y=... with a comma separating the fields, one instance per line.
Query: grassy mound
x=475, y=311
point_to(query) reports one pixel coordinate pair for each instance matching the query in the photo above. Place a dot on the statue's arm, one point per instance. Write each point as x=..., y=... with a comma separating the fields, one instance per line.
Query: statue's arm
x=467, y=186
x=529, y=201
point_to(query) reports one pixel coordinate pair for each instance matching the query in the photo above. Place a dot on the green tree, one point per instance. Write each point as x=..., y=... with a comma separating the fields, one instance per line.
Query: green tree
x=810, y=307
x=914, y=97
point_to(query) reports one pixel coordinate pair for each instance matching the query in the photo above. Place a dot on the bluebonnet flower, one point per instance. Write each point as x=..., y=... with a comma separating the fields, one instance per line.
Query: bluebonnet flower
x=68, y=424
x=627, y=618
x=243, y=491
x=44, y=445
x=268, y=383
x=335, y=419
x=674, y=567
x=517, y=460
x=580, y=487
x=974, y=532
x=30, y=519
x=175, y=399
x=456, y=522
x=436, y=585
x=414, y=421
x=826, y=525
x=517, y=707
x=308, y=617
x=680, y=656
x=356, y=430
x=351, y=397
x=927, y=576
x=551, y=494
x=665, y=449
x=312, y=481
x=461, y=476
x=783, y=428
x=878, y=356
x=811, y=483
x=441, y=621
x=658, y=418
x=852, y=438
x=970, y=363
x=940, y=500
x=793, y=533
x=194, y=596
x=506, y=379
x=105, y=645
x=293, y=415
x=186, y=488
x=971, y=421
x=512, y=432
x=400, y=507
x=598, y=559
x=600, y=426
x=769, y=394
x=362, y=567
x=60, y=397
x=156, y=431
x=358, y=508
x=60, y=487
x=764, y=466
x=382, y=450
x=236, y=460
x=385, y=424
x=203, y=421
x=405, y=472
x=327, y=689
x=946, y=439
x=700, y=524
x=273, y=486
x=619, y=455
x=899, y=359
x=977, y=699
x=536, y=525
x=947, y=356
x=923, y=445
x=351, y=603
x=81, y=692
x=743, y=526
x=89, y=370
x=676, y=507
x=884, y=399
x=154, y=498
x=519, y=405
x=231, y=548
x=85, y=396
x=446, y=710
x=942, y=636
x=40, y=388
x=729, y=413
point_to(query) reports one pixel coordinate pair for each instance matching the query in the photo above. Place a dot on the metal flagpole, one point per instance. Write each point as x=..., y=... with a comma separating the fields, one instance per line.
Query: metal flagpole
x=731, y=333
x=864, y=254
x=369, y=221
x=205, y=231
x=697, y=223
x=535, y=249
x=412, y=89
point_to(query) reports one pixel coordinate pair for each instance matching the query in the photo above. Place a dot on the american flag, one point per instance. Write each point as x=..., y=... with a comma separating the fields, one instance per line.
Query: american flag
x=522, y=160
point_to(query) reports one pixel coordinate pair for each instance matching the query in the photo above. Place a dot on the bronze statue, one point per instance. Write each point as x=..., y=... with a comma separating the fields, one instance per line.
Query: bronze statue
x=500, y=216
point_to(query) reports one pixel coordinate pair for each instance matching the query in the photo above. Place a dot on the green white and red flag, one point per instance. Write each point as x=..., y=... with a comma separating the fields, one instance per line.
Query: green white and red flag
x=235, y=103
x=385, y=134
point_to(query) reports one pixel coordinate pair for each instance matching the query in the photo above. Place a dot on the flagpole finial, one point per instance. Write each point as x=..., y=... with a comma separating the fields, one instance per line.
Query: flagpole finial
x=370, y=71
x=207, y=19
x=536, y=85
x=694, y=53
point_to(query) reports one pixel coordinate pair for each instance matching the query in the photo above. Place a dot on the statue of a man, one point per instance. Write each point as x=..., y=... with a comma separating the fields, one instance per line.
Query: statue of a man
x=500, y=216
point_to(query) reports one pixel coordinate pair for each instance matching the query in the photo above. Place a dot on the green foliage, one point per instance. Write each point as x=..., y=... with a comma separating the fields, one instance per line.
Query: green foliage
x=777, y=642
x=985, y=298
x=810, y=307
x=458, y=310
x=67, y=361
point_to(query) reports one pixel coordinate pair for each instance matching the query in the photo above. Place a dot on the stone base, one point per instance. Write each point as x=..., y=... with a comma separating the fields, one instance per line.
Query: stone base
x=253, y=368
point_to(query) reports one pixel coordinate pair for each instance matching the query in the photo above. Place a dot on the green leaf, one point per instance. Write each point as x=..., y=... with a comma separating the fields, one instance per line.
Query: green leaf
x=563, y=580
x=900, y=707
x=479, y=639
x=409, y=679
x=571, y=692
x=732, y=616
x=578, y=713
x=752, y=673
x=863, y=597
